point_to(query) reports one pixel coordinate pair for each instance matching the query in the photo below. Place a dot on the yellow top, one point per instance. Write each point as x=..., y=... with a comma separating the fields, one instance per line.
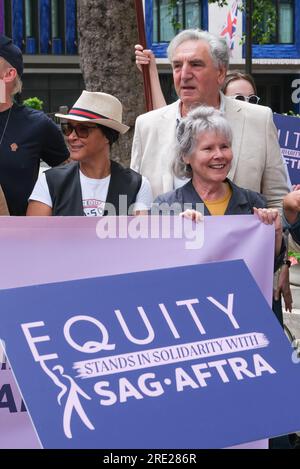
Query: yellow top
x=218, y=207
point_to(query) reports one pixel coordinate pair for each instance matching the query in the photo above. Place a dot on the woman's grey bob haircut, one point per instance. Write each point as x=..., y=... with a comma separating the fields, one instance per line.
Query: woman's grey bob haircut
x=198, y=121
x=217, y=45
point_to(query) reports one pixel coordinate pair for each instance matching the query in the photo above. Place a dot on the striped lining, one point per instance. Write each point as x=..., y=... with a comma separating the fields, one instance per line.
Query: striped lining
x=76, y=111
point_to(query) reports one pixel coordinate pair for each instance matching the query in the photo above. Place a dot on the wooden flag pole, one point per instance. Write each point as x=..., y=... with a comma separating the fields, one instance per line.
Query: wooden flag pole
x=142, y=40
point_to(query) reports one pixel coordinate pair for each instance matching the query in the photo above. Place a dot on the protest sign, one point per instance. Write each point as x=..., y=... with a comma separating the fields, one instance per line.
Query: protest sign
x=289, y=140
x=188, y=357
x=15, y=425
x=43, y=250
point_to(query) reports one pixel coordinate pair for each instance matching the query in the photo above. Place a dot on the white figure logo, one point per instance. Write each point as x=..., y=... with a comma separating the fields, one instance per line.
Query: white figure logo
x=72, y=401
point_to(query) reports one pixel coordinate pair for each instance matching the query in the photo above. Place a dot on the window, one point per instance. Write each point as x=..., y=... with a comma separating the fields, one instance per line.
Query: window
x=170, y=17
x=285, y=15
x=31, y=25
x=165, y=18
x=41, y=26
x=283, y=37
x=277, y=26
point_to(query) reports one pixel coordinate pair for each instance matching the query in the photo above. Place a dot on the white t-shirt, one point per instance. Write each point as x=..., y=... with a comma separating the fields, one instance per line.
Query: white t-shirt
x=94, y=193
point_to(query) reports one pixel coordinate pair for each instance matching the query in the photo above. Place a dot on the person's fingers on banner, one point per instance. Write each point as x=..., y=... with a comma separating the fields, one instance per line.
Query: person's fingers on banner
x=193, y=215
x=268, y=216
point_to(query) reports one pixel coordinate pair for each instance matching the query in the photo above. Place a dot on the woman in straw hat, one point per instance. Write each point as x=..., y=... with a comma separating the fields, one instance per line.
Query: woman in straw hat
x=92, y=184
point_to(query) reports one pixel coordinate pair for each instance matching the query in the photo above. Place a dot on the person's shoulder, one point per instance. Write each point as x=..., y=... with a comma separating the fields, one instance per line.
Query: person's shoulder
x=35, y=116
x=118, y=167
x=62, y=168
x=156, y=113
x=166, y=198
x=254, y=198
x=29, y=112
x=169, y=197
x=258, y=200
x=247, y=109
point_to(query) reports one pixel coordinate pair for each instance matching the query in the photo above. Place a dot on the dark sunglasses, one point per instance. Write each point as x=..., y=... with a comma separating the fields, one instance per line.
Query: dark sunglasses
x=82, y=131
x=253, y=99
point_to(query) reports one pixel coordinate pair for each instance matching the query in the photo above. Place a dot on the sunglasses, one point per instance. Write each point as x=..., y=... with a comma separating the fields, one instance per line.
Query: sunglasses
x=82, y=131
x=253, y=99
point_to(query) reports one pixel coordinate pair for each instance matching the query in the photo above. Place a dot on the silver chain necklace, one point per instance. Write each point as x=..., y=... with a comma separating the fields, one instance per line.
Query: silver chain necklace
x=6, y=123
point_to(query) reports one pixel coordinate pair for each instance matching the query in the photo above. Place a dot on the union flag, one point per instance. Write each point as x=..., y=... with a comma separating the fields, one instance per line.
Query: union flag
x=229, y=28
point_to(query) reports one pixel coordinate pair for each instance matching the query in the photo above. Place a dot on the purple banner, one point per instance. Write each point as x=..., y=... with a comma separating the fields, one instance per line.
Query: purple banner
x=289, y=140
x=16, y=429
x=43, y=250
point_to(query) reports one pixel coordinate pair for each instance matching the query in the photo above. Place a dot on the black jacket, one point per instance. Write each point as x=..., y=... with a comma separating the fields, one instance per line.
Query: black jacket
x=241, y=202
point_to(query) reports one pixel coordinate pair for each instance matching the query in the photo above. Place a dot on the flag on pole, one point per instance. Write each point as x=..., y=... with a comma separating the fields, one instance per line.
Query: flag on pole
x=229, y=28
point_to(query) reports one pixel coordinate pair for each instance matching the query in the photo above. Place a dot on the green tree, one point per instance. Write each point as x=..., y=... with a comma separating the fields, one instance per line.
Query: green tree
x=263, y=18
x=34, y=103
x=263, y=21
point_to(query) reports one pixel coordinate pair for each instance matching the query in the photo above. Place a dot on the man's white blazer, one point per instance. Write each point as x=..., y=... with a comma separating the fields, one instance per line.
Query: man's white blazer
x=257, y=162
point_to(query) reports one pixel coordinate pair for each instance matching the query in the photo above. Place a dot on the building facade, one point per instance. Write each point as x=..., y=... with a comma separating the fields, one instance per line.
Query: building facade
x=276, y=64
x=46, y=31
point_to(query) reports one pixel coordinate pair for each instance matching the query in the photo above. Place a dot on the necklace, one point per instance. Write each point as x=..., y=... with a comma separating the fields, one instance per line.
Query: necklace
x=6, y=123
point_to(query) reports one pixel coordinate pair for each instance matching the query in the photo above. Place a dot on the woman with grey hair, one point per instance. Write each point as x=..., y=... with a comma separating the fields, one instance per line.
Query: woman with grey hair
x=204, y=154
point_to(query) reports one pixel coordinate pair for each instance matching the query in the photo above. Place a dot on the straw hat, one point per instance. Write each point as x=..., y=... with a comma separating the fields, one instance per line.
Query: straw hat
x=100, y=108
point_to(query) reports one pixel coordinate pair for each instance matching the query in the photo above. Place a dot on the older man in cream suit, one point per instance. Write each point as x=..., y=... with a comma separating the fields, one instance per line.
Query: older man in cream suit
x=200, y=62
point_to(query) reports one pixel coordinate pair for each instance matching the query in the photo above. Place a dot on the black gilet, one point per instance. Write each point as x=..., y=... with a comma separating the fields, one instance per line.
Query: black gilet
x=65, y=189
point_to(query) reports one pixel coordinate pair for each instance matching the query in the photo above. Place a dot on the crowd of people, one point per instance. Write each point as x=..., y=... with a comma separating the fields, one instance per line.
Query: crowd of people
x=215, y=145
x=91, y=183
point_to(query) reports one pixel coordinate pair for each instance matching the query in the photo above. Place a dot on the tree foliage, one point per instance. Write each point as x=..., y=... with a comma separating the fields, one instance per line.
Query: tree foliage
x=263, y=21
x=34, y=103
x=263, y=17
